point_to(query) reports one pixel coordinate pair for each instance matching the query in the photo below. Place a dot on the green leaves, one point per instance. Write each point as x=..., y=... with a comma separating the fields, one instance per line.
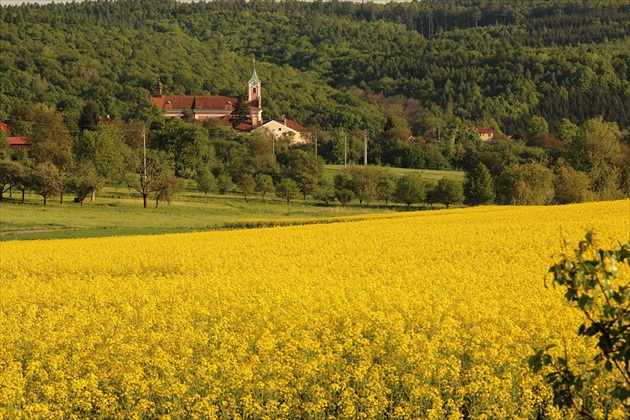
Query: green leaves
x=592, y=285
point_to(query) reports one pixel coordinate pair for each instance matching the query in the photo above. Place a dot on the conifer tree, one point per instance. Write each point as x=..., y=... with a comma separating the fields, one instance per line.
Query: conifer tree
x=478, y=186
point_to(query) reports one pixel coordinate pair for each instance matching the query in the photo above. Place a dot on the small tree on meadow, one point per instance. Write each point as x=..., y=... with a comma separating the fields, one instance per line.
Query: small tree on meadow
x=410, y=189
x=10, y=174
x=385, y=186
x=224, y=183
x=324, y=191
x=45, y=180
x=246, y=185
x=264, y=184
x=448, y=191
x=344, y=196
x=287, y=189
x=165, y=186
x=206, y=182
x=83, y=182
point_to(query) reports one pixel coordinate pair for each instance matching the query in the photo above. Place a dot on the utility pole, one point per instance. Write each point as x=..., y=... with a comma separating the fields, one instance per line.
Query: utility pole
x=345, y=150
x=365, y=139
x=315, y=144
x=144, y=155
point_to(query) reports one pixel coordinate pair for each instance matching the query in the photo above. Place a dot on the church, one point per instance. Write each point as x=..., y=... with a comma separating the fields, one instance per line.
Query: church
x=219, y=107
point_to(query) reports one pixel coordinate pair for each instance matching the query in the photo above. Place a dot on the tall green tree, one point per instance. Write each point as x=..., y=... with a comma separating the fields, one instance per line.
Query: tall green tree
x=90, y=116
x=188, y=143
x=571, y=186
x=240, y=112
x=104, y=148
x=478, y=186
x=596, y=151
x=528, y=184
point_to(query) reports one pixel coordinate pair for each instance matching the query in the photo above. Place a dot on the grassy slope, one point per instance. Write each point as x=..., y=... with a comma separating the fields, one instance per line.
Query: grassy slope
x=117, y=212
x=429, y=175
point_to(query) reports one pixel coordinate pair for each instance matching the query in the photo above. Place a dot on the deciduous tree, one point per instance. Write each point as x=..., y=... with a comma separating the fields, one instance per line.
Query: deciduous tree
x=448, y=191
x=45, y=180
x=287, y=189
x=410, y=189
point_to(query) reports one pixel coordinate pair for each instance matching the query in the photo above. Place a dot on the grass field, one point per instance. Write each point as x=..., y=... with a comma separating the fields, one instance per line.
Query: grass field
x=125, y=216
x=429, y=175
x=119, y=212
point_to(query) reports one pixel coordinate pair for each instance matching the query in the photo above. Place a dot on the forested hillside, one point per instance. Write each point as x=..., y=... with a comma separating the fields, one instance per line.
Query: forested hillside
x=330, y=64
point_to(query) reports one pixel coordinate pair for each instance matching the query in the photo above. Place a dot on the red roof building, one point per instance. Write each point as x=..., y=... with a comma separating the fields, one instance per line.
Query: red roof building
x=486, y=134
x=203, y=107
x=5, y=128
x=19, y=143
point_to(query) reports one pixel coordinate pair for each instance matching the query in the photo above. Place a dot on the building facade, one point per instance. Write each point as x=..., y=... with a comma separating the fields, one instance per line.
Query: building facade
x=219, y=107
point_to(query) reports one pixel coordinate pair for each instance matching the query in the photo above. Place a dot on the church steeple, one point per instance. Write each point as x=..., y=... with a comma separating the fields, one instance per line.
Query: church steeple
x=253, y=86
x=254, y=96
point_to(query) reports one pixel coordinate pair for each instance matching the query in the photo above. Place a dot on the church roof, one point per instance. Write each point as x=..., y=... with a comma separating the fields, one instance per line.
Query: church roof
x=207, y=103
x=194, y=102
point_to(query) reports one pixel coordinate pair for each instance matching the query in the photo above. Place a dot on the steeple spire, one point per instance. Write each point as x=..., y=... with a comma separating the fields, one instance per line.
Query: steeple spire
x=254, y=78
x=254, y=95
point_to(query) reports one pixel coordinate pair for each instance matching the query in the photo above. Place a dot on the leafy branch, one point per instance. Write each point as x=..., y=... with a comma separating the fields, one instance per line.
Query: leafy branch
x=592, y=283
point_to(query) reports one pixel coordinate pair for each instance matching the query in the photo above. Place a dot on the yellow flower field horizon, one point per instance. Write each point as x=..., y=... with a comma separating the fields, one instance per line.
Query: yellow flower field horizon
x=418, y=315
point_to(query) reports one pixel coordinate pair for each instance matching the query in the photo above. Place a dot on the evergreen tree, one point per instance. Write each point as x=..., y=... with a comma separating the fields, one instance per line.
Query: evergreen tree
x=478, y=186
x=240, y=113
x=90, y=116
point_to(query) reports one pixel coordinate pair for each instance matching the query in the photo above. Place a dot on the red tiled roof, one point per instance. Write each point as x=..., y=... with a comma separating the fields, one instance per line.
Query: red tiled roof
x=294, y=126
x=193, y=102
x=19, y=143
x=200, y=102
x=289, y=124
x=5, y=127
x=485, y=131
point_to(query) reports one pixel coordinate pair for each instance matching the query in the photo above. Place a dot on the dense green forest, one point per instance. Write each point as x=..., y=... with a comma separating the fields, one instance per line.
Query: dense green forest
x=330, y=64
x=552, y=78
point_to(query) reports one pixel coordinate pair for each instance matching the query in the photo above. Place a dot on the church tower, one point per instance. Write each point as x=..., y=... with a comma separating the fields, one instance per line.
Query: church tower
x=253, y=91
x=254, y=96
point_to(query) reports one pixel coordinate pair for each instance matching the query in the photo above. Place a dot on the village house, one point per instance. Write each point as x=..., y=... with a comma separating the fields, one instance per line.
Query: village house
x=290, y=128
x=485, y=134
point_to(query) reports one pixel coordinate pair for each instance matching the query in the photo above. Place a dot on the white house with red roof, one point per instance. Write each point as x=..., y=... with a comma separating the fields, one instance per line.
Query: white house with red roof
x=485, y=134
x=219, y=107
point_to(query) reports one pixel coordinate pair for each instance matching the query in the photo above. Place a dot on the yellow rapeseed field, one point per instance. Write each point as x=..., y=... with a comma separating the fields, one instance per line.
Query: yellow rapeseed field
x=423, y=315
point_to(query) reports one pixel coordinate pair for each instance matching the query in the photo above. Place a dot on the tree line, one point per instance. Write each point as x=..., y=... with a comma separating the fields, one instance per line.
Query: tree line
x=155, y=157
